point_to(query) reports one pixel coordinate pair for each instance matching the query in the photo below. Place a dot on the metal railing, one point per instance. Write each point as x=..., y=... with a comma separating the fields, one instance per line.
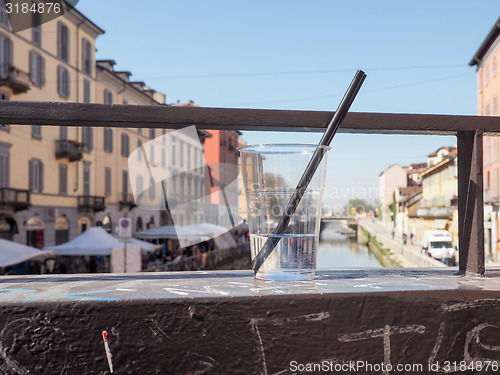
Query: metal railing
x=91, y=203
x=73, y=150
x=16, y=198
x=17, y=79
x=468, y=129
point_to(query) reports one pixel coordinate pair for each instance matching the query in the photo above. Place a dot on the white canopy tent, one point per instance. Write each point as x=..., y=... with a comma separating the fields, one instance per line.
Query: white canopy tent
x=173, y=232
x=95, y=241
x=13, y=253
x=191, y=234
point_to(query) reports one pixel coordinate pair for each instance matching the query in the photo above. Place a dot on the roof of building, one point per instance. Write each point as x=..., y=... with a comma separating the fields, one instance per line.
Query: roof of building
x=416, y=166
x=71, y=8
x=389, y=167
x=439, y=149
x=107, y=66
x=188, y=104
x=487, y=43
x=409, y=190
x=446, y=160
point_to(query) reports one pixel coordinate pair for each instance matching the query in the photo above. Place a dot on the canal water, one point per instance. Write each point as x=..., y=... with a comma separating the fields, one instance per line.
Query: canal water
x=337, y=250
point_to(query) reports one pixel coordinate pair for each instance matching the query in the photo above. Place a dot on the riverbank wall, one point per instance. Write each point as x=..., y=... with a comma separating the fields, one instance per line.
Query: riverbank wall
x=392, y=252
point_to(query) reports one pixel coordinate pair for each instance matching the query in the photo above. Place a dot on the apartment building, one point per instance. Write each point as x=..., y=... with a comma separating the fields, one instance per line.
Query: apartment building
x=390, y=180
x=57, y=181
x=486, y=60
x=222, y=156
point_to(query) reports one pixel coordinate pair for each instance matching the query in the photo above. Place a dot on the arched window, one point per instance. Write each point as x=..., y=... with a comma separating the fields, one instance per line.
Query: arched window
x=138, y=225
x=62, y=230
x=35, y=228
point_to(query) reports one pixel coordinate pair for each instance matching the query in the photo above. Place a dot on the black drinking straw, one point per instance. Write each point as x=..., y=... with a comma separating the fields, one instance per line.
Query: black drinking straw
x=332, y=128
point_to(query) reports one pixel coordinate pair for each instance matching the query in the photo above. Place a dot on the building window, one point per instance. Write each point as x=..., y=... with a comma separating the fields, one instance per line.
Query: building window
x=108, y=97
x=63, y=87
x=139, y=130
x=495, y=106
x=107, y=181
x=494, y=192
x=151, y=133
x=4, y=96
x=140, y=185
x=36, y=28
x=86, y=90
x=125, y=141
x=152, y=155
x=163, y=158
x=63, y=42
x=139, y=151
x=108, y=139
x=181, y=151
x=86, y=178
x=5, y=55
x=173, y=151
x=63, y=132
x=151, y=188
x=480, y=81
x=63, y=179
x=125, y=186
x=36, y=175
x=486, y=75
x=88, y=138
x=86, y=56
x=37, y=68
x=125, y=101
x=138, y=225
x=36, y=131
x=4, y=18
x=4, y=165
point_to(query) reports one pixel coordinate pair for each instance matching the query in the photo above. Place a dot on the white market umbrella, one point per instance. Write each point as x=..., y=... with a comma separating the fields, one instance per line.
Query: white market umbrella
x=168, y=232
x=207, y=229
x=13, y=253
x=94, y=241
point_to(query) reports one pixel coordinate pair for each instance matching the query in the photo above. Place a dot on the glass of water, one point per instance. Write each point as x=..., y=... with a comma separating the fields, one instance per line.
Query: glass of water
x=270, y=176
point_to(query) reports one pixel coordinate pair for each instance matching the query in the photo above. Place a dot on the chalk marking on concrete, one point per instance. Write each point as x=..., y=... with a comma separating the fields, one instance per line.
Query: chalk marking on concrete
x=437, y=345
x=260, y=345
x=108, y=352
x=11, y=365
x=385, y=333
x=460, y=306
x=473, y=334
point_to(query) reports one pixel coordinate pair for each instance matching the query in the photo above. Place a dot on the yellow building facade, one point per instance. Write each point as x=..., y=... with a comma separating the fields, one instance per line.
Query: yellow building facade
x=438, y=206
x=57, y=181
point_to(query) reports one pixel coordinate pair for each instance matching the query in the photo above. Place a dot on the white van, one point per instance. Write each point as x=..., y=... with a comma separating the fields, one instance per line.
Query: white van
x=439, y=244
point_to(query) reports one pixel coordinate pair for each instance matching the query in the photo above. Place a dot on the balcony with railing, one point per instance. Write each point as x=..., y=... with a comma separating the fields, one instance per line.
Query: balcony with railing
x=17, y=199
x=225, y=322
x=72, y=150
x=127, y=200
x=15, y=78
x=90, y=203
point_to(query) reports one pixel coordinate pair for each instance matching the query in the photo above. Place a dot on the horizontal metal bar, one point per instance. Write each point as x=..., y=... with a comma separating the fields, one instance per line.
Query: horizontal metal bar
x=101, y=115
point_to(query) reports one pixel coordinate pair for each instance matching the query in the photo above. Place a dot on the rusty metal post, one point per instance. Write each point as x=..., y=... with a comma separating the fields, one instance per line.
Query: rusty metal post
x=470, y=202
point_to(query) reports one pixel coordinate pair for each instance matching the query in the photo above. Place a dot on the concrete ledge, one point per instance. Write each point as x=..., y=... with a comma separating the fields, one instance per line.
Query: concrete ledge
x=223, y=322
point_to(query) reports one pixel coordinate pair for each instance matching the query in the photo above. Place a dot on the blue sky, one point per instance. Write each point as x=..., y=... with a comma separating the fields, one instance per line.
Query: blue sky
x=302, y=55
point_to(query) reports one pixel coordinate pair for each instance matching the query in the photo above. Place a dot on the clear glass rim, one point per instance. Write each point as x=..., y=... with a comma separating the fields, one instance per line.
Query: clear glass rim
x=281, y=147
